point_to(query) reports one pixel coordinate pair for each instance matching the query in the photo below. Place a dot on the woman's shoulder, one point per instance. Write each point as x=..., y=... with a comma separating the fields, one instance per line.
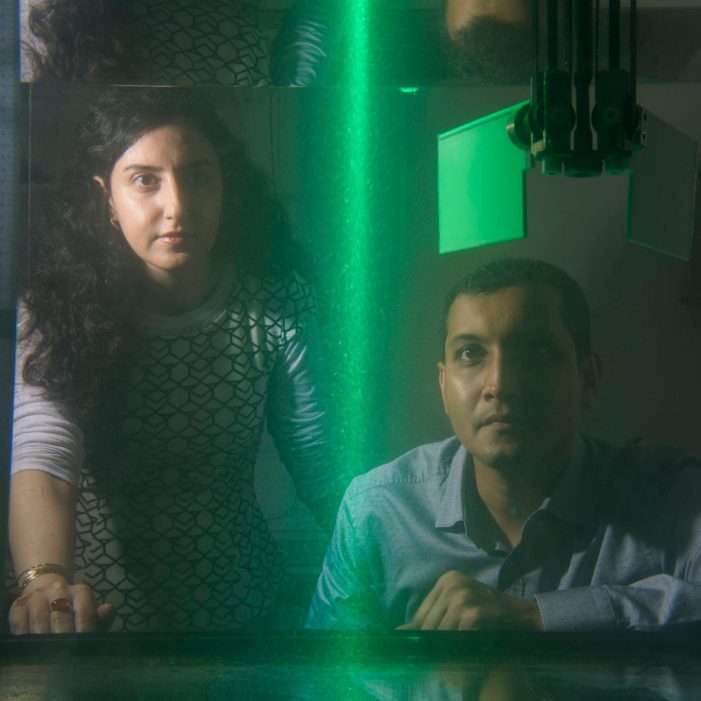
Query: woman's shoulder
x=285, y=295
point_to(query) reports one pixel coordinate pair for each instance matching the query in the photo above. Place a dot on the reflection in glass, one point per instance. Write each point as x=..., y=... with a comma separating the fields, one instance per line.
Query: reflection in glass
x=662, y=191
x=481, y=184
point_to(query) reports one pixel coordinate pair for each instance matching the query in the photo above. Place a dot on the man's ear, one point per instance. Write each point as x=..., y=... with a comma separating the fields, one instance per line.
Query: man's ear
x=441, y=382
x=590, y=373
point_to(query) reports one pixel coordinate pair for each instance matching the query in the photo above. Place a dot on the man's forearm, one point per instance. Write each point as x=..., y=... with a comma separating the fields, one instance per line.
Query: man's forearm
x=653, y=602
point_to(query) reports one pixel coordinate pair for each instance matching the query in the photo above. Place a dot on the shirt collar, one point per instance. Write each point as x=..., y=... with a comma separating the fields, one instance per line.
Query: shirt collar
x=572, y=500
x=450, y=507
x=573, y=497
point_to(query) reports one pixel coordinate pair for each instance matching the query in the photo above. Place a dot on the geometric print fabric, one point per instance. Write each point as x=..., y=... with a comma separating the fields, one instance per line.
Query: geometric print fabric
x=169, y=529
x=186, y=42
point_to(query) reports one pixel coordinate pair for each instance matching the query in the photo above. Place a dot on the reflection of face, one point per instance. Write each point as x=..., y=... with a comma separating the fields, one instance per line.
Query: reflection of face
x=459, y=13
x=166, y=194
x=489, y=41
x=511, y=381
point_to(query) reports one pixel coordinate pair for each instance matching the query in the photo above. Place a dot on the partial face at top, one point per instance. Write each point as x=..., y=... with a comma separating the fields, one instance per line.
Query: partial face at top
x=511, y=382
x=165, y=193
x=489, y=41
x=459, y=13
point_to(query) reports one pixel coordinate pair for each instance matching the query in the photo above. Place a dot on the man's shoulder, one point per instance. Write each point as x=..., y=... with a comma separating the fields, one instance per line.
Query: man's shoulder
x=429, y=463
x=637, y=459
x=637, y=480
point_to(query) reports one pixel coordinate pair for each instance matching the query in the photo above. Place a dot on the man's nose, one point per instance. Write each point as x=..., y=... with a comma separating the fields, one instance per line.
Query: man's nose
x=503, y=377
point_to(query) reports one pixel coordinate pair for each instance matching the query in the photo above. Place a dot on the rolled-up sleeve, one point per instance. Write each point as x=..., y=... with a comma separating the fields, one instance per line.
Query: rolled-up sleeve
x=45, y=434
x=670, y=594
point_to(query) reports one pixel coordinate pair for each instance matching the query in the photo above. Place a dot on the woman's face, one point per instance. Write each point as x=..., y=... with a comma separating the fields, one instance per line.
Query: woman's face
x=165, y=194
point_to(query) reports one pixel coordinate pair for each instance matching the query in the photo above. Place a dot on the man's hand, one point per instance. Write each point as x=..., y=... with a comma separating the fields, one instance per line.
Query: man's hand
x=458, y=602
x=59, y=607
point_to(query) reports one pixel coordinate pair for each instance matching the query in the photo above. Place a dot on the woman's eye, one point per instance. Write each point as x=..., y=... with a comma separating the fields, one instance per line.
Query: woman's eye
x=145, y=181
x=200, y=177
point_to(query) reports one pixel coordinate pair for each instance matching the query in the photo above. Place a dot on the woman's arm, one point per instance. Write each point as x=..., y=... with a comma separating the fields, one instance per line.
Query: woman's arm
x=42, y=531
x=47, y=451
x=299, y=423
x=306, y=43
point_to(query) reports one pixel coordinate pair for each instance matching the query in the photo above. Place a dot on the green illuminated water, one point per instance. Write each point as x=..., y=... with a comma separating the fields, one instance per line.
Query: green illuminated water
x=353, y=288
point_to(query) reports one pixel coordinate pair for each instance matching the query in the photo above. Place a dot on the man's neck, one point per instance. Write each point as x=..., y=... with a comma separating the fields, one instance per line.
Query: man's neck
x=512, y=495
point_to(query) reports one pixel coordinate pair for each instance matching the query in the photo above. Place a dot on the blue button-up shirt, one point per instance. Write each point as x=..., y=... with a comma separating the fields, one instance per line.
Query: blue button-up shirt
x=617, y=544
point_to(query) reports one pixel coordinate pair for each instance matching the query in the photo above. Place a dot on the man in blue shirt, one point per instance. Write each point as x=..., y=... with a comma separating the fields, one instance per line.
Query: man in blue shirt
x=518, y=521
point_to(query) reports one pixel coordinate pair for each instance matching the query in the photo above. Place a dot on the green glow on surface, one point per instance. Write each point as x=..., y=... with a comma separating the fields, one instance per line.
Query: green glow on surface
x=410, y=91
x=481, y=184
x=353, y=291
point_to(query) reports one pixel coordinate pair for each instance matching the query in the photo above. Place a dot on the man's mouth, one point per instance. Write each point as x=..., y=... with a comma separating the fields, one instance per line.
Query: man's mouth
x=502, y=421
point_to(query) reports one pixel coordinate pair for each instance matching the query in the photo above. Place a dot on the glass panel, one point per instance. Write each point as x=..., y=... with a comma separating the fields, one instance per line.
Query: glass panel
x=662, y=191
x=481, y=186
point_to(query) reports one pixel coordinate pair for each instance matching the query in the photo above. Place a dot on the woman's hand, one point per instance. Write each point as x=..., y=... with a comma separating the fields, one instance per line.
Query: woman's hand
x=42, y=534
x=50, y=604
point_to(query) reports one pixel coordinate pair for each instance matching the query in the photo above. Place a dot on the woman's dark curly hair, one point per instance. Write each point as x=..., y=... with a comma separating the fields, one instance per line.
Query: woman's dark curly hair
x=84, y=288
x=82, y=40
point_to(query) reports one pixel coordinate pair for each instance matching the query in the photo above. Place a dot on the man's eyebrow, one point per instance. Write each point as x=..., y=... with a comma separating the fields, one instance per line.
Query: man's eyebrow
x=538, y=332
x=535, y=332
x=465, y=337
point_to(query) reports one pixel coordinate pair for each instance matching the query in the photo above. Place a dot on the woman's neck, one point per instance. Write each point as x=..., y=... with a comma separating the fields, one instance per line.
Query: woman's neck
x=174, y=292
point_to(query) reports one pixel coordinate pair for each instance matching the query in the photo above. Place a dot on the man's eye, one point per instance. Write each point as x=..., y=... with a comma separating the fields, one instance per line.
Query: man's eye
x=540, y=350
x=470, y=353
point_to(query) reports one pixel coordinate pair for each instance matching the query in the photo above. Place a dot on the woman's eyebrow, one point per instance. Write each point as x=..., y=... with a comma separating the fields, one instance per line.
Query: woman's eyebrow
x=140, y=166
x=157, y=169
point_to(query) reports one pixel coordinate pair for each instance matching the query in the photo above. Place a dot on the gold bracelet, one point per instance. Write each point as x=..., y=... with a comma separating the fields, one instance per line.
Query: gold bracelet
x=37, y=571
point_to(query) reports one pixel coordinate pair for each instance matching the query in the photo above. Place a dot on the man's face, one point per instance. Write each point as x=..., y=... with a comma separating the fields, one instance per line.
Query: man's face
x=459, y=13
x=511, y=382
x=488, y=42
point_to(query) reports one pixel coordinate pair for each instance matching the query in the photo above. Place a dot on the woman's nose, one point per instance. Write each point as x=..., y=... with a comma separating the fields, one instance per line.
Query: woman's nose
x=173, y=200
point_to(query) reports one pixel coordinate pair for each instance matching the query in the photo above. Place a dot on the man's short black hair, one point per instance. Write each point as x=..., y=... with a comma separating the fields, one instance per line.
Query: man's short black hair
x=520, y=272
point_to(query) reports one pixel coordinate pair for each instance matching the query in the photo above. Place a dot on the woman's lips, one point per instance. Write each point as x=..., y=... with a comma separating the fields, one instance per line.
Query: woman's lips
x=174, y=238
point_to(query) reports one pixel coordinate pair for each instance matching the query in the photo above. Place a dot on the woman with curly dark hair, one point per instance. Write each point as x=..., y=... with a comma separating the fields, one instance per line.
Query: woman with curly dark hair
x=164, y=321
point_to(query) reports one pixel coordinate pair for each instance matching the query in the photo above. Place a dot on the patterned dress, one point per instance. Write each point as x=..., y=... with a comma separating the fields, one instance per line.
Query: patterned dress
x=168, y=525
x=185, y=42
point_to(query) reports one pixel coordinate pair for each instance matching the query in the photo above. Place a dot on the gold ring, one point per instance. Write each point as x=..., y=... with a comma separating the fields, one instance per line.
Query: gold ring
x=61, y=605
